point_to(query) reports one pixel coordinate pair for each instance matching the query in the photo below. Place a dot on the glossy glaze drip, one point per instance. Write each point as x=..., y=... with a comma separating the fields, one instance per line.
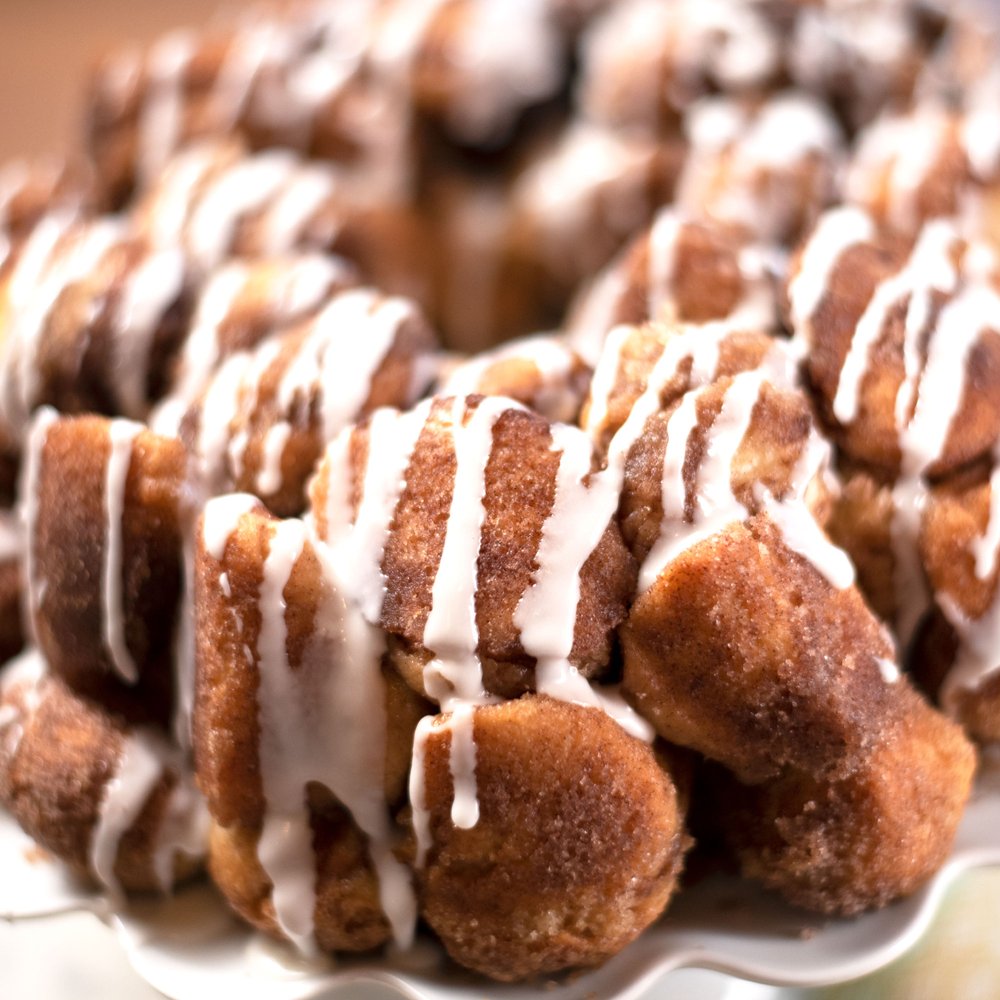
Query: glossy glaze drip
x=121, y=436
x=28, y=503
x=450, y=631
x=139, y=768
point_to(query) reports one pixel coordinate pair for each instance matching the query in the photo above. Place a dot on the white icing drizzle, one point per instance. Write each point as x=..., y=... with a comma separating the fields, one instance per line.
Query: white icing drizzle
x=149, y=291
x=200, y=352
x=546, y=613
x=269, y=477
x=351, y=338
x=21, y=690
x=360, y=543
x=245, y=187
x=836, y=231
x=219, y=520
x=462, y=762
x=602, y=385
x=161, y=119
x=301, y=199
x=139, y=768
x=928, y=268
x=888, y=669
x=450, y=631
x=43, y=420
x=167, y=209
x=663, y=237
x=219, y=407
x=285, y=848
x=420, y=818
x=714, y=504
x=121, y=436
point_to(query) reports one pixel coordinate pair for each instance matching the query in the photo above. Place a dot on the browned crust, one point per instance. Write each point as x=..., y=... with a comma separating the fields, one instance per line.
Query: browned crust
x=577, y=849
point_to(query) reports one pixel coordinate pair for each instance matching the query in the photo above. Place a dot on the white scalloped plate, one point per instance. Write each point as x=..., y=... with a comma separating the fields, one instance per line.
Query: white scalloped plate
x=190, y=948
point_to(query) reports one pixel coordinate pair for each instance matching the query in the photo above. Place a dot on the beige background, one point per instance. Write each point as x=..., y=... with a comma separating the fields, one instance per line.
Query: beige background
x=46, y=48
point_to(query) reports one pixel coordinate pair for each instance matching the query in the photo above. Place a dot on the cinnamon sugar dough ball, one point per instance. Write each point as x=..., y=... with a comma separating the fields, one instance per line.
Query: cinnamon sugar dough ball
x=229, y=618
x=105, y=504
x=758, y=683
x=853, y=786
x=264, y=417
x=347, y=913
x=519, y=468
x=576, y=850
x=290, y=204
x=767, y=169
x=59, y=753
x=246, y=301
x=850, y=293
x=644, y=63
x=236, y=736
x=542, y=372
x=30, y=189
x=930, y=162
x=844, y=846
x=681, y=269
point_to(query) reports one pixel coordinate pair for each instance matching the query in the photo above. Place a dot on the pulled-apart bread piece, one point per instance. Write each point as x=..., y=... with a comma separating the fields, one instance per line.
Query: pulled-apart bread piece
x=562, y=844
x=748, y=640
x=901, y=344
x=264, y=416
x=90, y=315
x=478, y=500
x=767, y=170
x=542, y=373
x=244, y=302
x=215, y=201
x=113, y=802
x=105, y=505
x=302, y=739
x=930, y=162
x=681, y=269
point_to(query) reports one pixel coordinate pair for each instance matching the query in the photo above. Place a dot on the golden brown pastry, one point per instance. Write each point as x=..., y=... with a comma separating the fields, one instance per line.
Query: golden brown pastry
x=576, y=847
x=299, y=734
x=105, y=504
x=262, y=420
x=112, y=802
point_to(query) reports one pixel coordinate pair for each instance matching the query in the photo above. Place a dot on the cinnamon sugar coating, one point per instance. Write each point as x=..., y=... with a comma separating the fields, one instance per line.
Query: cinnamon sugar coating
x=846, y=845
x=519, y=488
x=226, y=731
x=58, y=753
x=757, y=684
x=70, y=541
x=577, y=848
